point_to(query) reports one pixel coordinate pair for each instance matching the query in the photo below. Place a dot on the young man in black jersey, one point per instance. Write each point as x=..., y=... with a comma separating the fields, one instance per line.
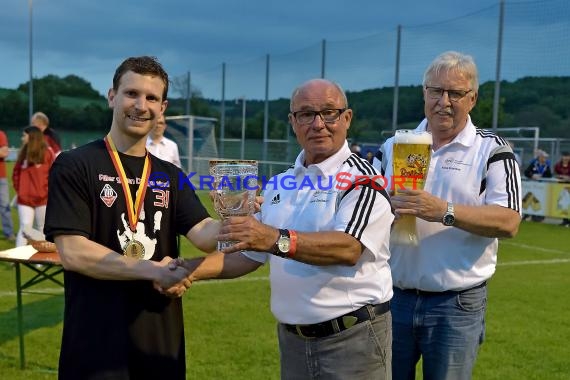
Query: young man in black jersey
x=115, y=230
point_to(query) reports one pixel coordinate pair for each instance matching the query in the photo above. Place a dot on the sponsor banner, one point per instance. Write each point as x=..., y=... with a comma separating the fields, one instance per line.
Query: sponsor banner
x=546, y=198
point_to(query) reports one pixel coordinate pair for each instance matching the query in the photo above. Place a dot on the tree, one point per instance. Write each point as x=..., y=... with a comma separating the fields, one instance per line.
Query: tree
x=14, y=110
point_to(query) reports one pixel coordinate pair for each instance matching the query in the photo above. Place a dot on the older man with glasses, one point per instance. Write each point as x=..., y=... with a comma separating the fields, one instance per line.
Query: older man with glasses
x=471, y=197
x=327, y=249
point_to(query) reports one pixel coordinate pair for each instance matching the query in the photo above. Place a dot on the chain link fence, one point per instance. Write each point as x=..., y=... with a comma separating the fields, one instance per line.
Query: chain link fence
x=509, y=40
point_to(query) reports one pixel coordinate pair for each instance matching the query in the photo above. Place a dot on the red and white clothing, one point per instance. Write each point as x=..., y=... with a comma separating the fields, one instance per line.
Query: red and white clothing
x=31, y=185
x=31, y=181
x=560, y=169
x=3, y=143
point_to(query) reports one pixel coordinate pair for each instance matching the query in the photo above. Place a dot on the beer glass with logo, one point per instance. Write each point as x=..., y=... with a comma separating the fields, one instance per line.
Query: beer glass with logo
x=411, y=157
x=235, y=187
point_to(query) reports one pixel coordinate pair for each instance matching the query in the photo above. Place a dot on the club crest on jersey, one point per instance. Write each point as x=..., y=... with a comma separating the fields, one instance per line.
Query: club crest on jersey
x=108, y=195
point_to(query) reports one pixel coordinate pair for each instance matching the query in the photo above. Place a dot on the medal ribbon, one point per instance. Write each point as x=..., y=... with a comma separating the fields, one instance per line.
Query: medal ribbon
x=133, y=209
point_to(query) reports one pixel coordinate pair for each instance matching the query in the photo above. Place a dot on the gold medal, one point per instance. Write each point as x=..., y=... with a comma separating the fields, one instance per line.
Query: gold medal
x=134, y=249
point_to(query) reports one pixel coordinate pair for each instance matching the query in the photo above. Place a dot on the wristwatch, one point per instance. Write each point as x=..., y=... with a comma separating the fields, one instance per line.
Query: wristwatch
x=449, y=216
x=283, y=244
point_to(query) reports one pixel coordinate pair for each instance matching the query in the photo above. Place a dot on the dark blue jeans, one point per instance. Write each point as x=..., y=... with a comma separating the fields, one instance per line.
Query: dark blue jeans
x=5, y=212
x=445, y=329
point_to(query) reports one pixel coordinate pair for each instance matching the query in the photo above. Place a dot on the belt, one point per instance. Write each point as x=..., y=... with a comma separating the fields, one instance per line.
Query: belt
x=426, y=293
x=320, y=330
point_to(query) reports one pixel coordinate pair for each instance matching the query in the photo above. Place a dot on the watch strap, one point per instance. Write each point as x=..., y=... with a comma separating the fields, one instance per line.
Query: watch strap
x=293, y=244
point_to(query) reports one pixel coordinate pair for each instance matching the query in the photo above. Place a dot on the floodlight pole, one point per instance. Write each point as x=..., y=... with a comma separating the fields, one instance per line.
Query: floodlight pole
x=243, y=102
x=497, y=96
x=31, y=85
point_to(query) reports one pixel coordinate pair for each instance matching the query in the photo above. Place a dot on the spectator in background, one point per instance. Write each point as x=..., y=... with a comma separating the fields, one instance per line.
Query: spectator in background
x=30, y=178
x=370, y=156
x=562, y=167
x=539, y=167
x=355, y=148
x=562, y=172
x=40, y=120
x=5, y=212
x=160, y=146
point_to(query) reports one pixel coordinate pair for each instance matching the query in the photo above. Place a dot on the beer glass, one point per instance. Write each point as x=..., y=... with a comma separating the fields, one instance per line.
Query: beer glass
x=410, y=158
x=235, y=187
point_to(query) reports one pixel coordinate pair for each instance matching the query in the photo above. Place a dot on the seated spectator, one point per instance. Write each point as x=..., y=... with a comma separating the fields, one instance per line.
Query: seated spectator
x=355, y=148
x=539, y=167
x=562, y=167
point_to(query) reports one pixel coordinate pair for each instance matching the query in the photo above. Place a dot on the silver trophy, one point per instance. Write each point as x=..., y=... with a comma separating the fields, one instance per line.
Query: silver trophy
x=235, y=187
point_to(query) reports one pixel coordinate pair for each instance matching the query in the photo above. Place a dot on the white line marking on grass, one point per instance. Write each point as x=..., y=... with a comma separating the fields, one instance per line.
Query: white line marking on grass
x=535, y=248
x=38, y=291
x=239, y=279
x=48, y=291
x=58, y=291
x=534, y=262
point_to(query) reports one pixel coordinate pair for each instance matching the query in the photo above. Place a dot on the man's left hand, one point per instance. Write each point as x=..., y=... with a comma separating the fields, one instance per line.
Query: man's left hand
x=419, y=203
x=250, y=234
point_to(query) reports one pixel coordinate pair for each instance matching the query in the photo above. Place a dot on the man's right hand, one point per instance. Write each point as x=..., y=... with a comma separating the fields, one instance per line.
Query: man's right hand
x=169, y=275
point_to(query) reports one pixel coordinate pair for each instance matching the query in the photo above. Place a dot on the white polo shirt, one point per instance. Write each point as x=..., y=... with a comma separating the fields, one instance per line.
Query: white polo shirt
x=476, y=168
x=312, y=199
x=165, y=149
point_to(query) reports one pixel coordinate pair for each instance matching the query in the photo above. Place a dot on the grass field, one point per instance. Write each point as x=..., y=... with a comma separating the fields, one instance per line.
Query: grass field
x=230, y=332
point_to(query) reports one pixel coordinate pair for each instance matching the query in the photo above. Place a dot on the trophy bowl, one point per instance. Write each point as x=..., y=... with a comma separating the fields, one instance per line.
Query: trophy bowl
x=234, y=189
x=410, y=158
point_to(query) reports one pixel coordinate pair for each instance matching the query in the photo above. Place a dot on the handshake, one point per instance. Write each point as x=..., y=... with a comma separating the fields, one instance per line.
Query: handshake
x=174, y=276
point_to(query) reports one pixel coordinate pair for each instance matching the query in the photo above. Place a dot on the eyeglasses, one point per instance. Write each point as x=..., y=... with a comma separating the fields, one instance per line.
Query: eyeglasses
x=328, y=115
x=453, y=95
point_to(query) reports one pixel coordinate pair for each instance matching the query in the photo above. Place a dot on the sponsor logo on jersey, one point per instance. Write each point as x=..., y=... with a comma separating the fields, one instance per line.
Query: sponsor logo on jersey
x=108, y=195
x=276, y=199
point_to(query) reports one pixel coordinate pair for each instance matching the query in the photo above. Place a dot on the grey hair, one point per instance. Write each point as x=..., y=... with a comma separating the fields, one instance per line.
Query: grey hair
x=41, y=116
x=297, y=90
x=452, y=60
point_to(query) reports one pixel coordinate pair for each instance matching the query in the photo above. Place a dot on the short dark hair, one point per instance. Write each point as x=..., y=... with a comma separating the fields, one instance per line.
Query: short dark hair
x=144, y=65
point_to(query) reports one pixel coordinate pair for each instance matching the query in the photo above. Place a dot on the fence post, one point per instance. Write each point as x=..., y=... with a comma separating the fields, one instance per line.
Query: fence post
x=323, y=57
x=266, y=111
x=223, y=111
x=496, y=97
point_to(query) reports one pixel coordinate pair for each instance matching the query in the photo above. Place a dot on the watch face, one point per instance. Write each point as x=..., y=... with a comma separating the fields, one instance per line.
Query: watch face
x=448, y=219
x=283, y=244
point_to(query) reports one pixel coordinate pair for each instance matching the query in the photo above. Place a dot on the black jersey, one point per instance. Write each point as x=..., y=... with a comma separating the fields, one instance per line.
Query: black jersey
x=119, y=329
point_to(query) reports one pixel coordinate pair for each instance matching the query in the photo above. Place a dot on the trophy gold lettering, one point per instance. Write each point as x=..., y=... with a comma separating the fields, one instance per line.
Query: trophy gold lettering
x=410, y=157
